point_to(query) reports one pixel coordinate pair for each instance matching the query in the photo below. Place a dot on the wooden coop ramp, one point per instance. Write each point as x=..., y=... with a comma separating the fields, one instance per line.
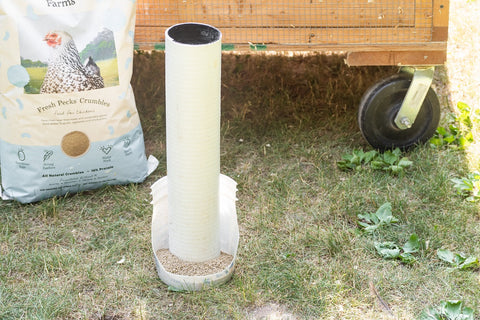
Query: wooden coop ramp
x=373, y=32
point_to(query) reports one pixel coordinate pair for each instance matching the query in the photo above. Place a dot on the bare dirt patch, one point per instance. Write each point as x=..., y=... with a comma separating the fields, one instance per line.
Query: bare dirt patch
x=271, y=312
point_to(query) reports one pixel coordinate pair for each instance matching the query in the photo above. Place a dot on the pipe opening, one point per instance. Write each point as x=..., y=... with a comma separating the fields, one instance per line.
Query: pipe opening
x=194, y=33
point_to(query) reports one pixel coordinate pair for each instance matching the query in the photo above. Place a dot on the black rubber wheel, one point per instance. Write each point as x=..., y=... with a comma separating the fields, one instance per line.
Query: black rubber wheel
x=379, y=107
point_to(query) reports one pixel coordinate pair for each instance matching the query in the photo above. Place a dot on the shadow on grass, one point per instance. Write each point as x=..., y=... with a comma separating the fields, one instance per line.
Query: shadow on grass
x=263, y=92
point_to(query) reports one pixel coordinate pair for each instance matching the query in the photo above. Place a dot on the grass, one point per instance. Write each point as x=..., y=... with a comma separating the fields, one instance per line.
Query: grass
x=37, y=74
x=286, y=121
x=108, y=69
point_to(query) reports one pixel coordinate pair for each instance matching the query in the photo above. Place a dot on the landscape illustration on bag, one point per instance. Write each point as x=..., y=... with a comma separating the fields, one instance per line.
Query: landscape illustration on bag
x=62, y=59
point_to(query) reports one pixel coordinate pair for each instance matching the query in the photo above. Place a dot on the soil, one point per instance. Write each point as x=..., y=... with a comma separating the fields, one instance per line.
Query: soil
x=174, y=265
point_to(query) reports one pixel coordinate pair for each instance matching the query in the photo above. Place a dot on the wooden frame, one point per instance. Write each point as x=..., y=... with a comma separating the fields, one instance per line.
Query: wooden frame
x=372, y=32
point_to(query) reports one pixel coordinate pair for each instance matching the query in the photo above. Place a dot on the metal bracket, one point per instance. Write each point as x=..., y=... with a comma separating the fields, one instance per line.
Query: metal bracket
x=421, y=82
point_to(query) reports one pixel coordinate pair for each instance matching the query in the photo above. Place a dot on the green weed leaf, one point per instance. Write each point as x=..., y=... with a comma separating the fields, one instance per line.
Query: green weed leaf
x=407, y=258
x=384, y=213
x=468, y=187
x=412, y=245
x=445, y=255
x=387, y=250
x=377, y=165
x=470, y=263
x=405, y=163
x=390, y=250
x=436, y=142
x=459, y=133
x=367, y=227
x=372, y=221
x=390, y=161
x=450, y=138
x=369, y=156
x=448, y=310
x=442, y=131
x=389, y=157
x=458, y=260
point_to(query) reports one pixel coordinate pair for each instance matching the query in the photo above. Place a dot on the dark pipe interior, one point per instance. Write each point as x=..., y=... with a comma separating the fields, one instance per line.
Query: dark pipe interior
x=193, y=33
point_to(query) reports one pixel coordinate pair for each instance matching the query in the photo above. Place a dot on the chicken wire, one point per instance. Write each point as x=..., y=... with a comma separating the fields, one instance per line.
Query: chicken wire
x=292, y=22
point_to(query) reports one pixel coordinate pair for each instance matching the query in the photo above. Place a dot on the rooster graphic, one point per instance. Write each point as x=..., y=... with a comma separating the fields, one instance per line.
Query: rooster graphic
x=65, y=72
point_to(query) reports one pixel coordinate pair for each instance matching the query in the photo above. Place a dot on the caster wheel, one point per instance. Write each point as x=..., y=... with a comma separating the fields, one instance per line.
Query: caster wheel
x=379, y=107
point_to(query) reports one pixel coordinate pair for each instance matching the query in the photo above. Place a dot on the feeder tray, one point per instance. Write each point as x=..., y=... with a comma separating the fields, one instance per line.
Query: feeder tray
x=229, y=236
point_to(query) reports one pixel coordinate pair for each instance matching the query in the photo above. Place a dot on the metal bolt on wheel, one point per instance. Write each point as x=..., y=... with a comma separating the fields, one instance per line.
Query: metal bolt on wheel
x=379, y=107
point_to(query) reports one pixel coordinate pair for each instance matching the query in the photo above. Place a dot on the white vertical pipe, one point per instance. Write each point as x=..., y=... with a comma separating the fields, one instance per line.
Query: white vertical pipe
x=193, y=73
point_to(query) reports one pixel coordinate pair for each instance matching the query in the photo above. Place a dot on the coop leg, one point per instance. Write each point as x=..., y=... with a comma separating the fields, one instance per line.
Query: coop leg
x=421, y=82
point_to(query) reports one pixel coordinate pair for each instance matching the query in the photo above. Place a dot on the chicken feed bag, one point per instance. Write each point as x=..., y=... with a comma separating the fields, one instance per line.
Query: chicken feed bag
x=68, y=120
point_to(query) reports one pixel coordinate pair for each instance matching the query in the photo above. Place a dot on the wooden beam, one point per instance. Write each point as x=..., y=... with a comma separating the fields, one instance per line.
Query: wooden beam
x=441, y=9
x=397, y=58
x=299, y=13
x=309, y=36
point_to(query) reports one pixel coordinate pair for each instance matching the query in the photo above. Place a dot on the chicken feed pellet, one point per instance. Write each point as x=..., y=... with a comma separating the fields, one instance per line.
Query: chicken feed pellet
x=75, y=144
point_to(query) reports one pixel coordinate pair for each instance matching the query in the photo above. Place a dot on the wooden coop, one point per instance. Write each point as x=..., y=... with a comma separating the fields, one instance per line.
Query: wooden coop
x=374, y=32
x=370, y=32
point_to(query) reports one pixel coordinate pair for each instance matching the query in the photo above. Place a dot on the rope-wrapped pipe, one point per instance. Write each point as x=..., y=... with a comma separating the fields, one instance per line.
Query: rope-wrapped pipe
x=193, y=75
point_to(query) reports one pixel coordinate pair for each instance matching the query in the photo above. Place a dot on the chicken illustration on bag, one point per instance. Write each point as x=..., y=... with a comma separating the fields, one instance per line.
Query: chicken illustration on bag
x=66, y=73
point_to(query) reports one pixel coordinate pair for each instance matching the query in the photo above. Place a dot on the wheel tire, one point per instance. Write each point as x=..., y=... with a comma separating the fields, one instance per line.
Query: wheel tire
x=379, y=107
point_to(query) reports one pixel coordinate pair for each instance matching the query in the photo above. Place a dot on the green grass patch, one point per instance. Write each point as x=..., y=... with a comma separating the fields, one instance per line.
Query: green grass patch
x=108, y=70
x=37, y=74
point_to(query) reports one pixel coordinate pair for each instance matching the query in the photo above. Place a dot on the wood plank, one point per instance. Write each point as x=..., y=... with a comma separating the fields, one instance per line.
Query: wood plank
x=286, y=36
x=329, y=30
x=441, y=10
x=397, y=58
x=340, y=48
x=152, y=13
x=424, y=14
x=300, y=13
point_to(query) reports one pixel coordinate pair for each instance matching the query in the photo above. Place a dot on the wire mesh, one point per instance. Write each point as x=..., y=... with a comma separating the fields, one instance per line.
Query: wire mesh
x=292, y=22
